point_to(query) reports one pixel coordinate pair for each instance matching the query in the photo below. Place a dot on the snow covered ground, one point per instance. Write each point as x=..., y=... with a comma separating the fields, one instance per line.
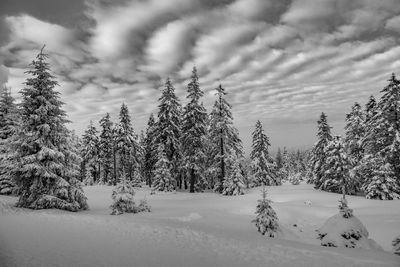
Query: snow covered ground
x=183, y=229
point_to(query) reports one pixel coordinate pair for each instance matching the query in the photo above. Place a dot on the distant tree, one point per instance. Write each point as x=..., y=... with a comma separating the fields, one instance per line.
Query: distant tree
x=263, y=166
x=279, y=159
x=163, y=180
x=150, y=150
x=41, y=146
x=106, y=143
x=234, y=183
x=90, y=150
x=169, y=128
x=193, y=134
x=9, y=123
x=223, y=137
x=266, y=220
x=337, y=168
x=354, y=134
x=127, y=143
x=318, y=157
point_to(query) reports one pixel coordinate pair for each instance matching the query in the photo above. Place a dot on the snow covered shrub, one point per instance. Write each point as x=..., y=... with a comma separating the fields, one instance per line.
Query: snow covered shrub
x=266, y=220
x=345, y=230
x=123, y=200
x=396, y=245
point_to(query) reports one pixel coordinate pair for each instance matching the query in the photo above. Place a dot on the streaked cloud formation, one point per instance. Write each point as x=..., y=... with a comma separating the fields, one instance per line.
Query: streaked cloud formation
x=282, y=62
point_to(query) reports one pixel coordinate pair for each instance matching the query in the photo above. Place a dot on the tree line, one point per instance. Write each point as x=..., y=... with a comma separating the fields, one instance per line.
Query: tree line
x=367, y=160
x=183, y=147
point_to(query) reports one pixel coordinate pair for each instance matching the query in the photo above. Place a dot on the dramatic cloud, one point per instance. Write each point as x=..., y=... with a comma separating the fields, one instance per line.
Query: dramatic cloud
x=282, y=62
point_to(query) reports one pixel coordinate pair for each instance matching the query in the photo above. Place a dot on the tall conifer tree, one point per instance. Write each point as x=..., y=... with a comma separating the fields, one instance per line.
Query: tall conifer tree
x=318, y=158
x=9, y=123
x=41, y=147
x=106, y=149
x=193, y=134
x=169, y=127
x=223, y=136
x=263, y=166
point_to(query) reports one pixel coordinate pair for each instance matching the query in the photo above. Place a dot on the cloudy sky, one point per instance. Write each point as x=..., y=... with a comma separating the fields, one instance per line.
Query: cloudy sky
x=281, y=61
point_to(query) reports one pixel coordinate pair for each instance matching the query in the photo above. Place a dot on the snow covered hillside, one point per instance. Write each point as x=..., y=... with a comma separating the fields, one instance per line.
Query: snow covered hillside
x=204, y=229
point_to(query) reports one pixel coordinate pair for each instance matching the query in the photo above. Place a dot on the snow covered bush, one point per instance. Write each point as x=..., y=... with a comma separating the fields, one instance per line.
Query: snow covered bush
x=345, y=230
x=266, y=220
x=123, y=200
x=396, y=245
x=233, y=184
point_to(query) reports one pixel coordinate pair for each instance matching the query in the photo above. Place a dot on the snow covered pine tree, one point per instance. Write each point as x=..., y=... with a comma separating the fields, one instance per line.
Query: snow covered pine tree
x=193, y=135
x=9, y=124
x=163, y=180
x=266, y=220
x=123, y=201
x=233, y=184
x=263, y=166
x=41, y=146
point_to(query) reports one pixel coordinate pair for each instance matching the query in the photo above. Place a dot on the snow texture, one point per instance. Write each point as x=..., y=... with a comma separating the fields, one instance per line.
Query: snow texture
x=223, y=236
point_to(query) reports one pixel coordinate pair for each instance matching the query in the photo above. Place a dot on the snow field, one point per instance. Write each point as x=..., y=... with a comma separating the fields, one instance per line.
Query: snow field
x=183, y=229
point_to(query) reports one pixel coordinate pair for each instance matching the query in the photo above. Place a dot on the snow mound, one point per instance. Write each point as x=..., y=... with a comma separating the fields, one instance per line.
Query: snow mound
x=339, y=231
x=191, y=217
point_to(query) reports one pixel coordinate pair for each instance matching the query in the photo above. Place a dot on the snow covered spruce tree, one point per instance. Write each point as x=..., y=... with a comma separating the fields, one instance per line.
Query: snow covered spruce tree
x=345, y=230
x=337, y=168
x=169, y=129
x=106, y=143
x=90, y=151
x=193, y=135
x=266, y=220
x=380, y=166
x=127, y=143
x=41, y=146
x=318, y=157
x=379, y=182
x=150, y=150
x=123, y=198
x=223, y=137
x=354, y=129
x=9, y=123
x=163, y=180
x=263, y=166
x=387, y=124
x=234, y=182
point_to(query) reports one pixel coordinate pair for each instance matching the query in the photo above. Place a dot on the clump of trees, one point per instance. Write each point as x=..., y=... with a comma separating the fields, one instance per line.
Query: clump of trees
x=367, y=160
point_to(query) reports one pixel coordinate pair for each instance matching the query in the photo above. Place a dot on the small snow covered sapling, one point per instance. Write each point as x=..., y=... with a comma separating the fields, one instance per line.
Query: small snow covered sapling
x=396, y=245
x=123, y=200
x=266, y=220
x=345, y=230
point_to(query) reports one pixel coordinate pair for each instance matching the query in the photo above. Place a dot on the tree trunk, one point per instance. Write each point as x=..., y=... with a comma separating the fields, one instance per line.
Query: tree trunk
x=222, y=177
x=192, y=180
